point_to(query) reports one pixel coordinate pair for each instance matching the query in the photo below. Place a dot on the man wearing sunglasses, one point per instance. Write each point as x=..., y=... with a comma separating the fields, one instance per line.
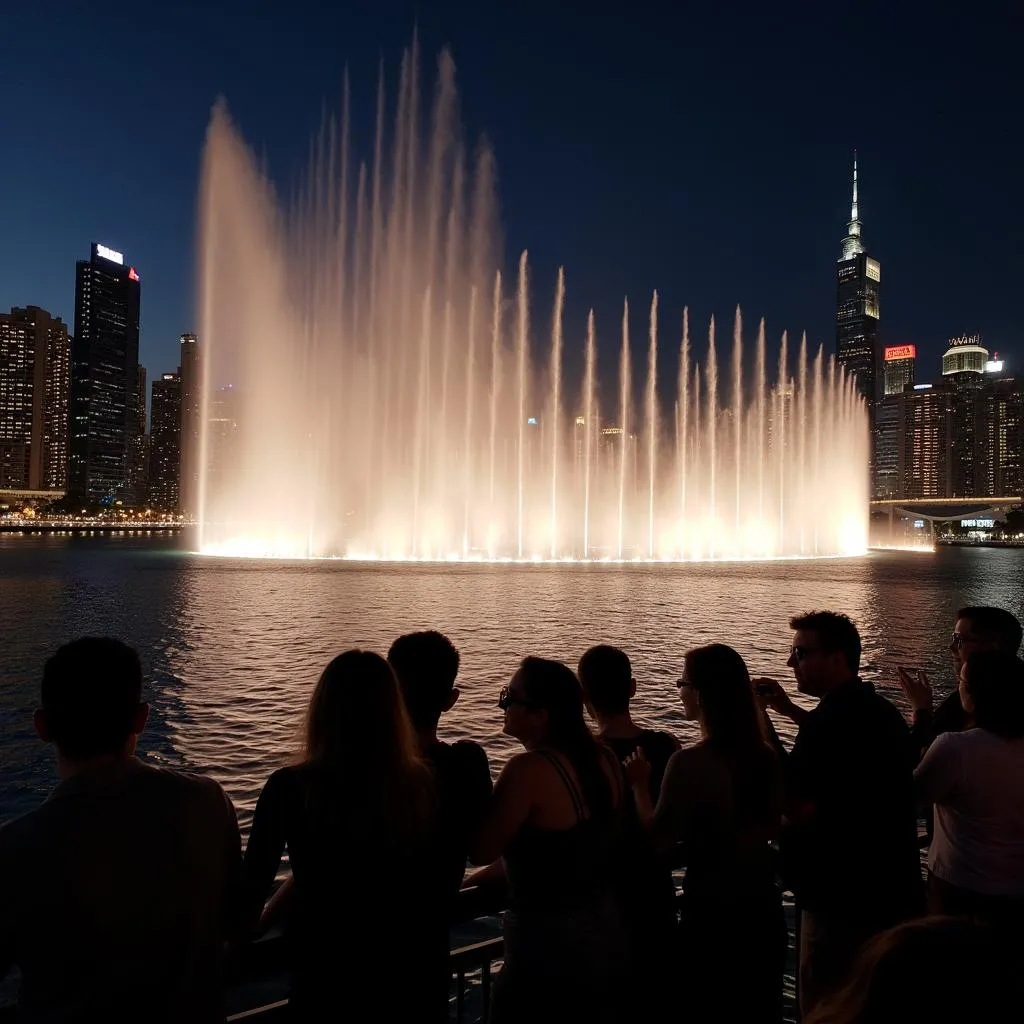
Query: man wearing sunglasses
x=849, y=838
x=978, y=628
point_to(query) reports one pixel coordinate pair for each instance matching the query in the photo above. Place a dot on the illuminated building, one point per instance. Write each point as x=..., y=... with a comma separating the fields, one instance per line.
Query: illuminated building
x=165, y=443
x=857, y=280
x=104, y=414
x=924, y=453
x=191, y=412
x=35, y=360
x=898, y=367
x=964, y=355
x=138, y=454
x=1003, y=425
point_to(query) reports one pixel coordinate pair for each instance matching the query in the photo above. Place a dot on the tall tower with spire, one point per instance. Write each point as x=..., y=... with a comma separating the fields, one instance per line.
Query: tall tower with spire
x=857, y=348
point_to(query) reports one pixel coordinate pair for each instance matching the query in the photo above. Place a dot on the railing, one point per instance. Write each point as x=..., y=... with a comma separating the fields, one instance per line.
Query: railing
x=266, y=959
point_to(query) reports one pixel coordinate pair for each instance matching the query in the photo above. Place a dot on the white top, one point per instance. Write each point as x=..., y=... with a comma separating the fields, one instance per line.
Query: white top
x=976, y=781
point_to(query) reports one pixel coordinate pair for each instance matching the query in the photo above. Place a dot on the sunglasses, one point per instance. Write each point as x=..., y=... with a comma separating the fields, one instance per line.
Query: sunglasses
x=506, y=699
x=803, y=653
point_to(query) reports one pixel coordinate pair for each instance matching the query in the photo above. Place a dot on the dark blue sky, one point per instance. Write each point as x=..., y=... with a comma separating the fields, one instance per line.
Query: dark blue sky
x=705, y=151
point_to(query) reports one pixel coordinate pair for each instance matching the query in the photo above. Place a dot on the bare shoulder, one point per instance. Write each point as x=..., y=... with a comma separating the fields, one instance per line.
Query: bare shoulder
x=691, y=766
x=526, y=765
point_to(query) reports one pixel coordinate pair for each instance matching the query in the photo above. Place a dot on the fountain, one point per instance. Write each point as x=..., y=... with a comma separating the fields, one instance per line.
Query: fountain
x=372, y=390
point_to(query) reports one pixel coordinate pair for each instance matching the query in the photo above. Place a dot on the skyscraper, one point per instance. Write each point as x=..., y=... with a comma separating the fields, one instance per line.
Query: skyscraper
x=104, y=420
x=35, y=360
x=165, y=443
x=191, y=411
x=138, y=461
x=857, y=279
x=1003, y=420
x=927, y=431
x=899, y=368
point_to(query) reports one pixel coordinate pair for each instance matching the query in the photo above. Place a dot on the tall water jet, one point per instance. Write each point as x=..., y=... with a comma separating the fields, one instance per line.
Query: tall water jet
x=737, y=414
x=759, y=389
x=684, y=411
x=365, y=395
x=556, y=403
x=651, y=414
x=522, y=341
x=624, y=388
x=712, y=429
x=588, y=426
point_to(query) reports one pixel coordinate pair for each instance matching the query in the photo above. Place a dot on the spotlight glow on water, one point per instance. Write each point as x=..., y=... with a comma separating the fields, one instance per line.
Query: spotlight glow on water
x=374, y=390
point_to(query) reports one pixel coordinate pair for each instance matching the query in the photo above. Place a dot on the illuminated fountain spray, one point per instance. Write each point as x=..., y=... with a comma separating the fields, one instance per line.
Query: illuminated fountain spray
x=373, y=387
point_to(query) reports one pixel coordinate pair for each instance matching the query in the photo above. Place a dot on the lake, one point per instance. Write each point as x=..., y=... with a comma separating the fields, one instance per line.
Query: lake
x=232, y=648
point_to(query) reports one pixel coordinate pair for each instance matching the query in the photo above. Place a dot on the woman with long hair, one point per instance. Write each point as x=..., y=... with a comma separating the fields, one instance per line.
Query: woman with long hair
x=721, y=801
x=554, y=821
x=358, y=817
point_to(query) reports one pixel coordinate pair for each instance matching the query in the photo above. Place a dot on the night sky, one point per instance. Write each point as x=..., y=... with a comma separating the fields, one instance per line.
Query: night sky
x=705, y=152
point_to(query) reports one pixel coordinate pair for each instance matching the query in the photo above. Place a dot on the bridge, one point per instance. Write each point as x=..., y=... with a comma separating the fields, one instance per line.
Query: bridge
x=945, y=510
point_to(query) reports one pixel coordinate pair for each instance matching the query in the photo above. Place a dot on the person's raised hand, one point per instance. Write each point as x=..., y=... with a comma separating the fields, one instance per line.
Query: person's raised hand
x=638, y=769
x=770, y=694
x=917, y=688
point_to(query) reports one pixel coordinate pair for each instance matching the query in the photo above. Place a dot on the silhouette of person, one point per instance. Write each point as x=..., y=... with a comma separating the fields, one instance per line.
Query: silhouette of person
x=975, y=779
x=849, y=838
x=122, y=887
x=933, y=969
x=646, y=888
x=977, y=628
x=722, y=800
x=555, y=821
x=359, y=818
x=427, y=665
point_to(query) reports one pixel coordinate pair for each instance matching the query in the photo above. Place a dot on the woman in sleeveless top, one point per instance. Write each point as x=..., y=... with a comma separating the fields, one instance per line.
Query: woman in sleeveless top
x=358, y=816
x=721, y=799
x=554, y=821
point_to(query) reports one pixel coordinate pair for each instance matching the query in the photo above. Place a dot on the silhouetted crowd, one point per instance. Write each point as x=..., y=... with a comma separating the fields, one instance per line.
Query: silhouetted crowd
x=126, y=888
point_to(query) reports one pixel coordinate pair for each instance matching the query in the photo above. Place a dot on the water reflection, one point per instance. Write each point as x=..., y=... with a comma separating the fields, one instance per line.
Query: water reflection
x=232, y=649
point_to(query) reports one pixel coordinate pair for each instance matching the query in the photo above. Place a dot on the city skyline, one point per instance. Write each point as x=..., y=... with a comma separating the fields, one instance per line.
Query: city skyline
x=684, y=208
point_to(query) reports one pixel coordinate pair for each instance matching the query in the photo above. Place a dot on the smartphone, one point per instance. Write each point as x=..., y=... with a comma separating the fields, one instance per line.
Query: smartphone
x=764, y=689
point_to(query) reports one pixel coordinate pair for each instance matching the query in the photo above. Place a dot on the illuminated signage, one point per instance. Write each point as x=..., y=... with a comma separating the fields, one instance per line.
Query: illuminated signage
x=994, y=366
x=532, y=421
x=900, y=352
x=918, y=524
x=982, y=524
x=873, y=269
x=921, y=387
x=109, y=254
x=133, y=274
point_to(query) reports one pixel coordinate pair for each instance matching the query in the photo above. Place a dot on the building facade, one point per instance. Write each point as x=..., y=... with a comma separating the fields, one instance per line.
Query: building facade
x=104, y=414
x=1003, y=421
x=857, y=316
x=959, y=437
x=35, y=367
x=898, y=368
x=138, y=456
x=165, y=443
x=924, y=451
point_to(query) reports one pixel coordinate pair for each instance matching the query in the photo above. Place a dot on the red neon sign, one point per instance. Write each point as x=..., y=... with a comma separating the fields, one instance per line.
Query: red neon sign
x=900, y=352
x=133, y=274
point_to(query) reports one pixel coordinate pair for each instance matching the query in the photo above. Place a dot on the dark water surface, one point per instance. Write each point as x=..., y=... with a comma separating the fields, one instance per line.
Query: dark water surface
x=232, y=648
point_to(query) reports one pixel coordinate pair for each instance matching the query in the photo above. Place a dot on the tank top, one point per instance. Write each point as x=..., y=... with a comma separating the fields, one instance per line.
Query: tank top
x=557, y=871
